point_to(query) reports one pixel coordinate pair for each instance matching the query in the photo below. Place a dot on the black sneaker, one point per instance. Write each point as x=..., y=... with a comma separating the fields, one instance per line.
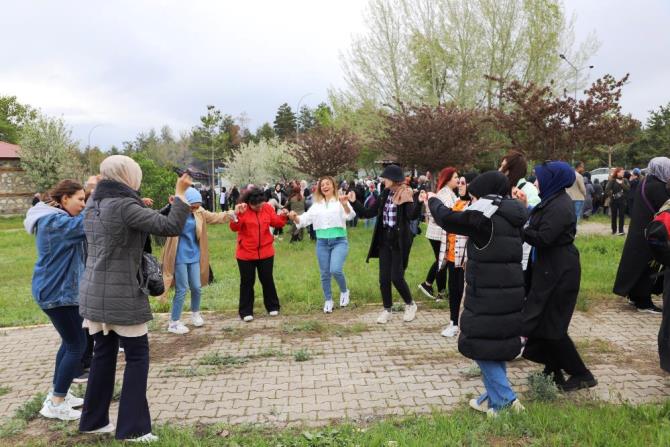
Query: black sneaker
x=575, y=383
x=427, y=290
x=81, y=379
x=653, y=309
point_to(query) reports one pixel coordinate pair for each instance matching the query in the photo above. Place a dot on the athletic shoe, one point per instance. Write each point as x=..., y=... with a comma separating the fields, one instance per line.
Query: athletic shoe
x=451, y=330
x=328, y=307
x=109, y=428
x=483, y=407
x=410, y=312
x=516, y=407
x=384, y=317
x=274, y=313
x=177, y=327
x=575, y=383
x=427, y=290
x=70, y=399
x=61, y=411
x=196, y=319
x=439, y=297
x=344, y=299
x=248, y=318
x=81, y=379
x=149, y=437
x=621, y=233
x=653, y=309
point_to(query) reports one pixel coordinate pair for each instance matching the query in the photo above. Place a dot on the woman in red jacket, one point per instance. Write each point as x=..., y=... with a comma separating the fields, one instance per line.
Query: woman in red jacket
x=255, y=250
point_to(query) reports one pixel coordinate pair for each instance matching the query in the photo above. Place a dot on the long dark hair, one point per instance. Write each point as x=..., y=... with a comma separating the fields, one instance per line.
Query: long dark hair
x=252, y=196
x=64, y=188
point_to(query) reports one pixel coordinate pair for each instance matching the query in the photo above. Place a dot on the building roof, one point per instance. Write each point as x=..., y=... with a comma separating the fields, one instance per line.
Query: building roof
x=9, y=150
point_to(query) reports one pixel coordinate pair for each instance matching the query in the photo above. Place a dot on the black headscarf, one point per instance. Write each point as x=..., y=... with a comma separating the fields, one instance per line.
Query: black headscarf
x=491, y=182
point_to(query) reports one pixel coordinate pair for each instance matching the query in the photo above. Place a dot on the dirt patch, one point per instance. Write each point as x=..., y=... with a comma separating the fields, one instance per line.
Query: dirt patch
x=414, y=357
x=52, y=433
x=169, y=347
x=599, y=351
x=500, y=441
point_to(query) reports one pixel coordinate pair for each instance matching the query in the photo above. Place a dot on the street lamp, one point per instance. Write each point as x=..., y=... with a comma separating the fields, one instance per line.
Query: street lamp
x=577, y=70
x=90, y=132
x=297, y=127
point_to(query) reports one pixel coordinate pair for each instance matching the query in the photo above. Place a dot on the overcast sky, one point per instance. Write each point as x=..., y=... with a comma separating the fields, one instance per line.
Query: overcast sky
x=128, y=66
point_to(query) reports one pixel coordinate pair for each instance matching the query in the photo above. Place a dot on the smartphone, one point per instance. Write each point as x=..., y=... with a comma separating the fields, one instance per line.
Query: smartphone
x=194, y=175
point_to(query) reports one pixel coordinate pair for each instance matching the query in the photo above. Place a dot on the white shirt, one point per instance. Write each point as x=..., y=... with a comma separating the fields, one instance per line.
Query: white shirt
x=322, y=215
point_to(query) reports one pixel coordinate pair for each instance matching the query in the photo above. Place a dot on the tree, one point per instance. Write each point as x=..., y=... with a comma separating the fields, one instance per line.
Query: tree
x=653, y=140
x=248, y=164
x=13, y=115
x=215, y=138
x=157, y=181
x=306, y=119
x=48, y=153
x=264, y=132
x=278, y=160
x=431, y=138
x=325, y=151
x=546, y=126
x=285, y=122
x=323, y=115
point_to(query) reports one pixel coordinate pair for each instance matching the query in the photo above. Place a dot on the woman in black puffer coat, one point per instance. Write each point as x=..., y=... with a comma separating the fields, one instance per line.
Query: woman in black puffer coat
x=491, y=322
x=555, y=281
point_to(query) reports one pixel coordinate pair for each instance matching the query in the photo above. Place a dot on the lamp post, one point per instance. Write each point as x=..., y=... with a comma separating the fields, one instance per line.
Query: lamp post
x=297, y=127
x=577, y=70
x=90, y=132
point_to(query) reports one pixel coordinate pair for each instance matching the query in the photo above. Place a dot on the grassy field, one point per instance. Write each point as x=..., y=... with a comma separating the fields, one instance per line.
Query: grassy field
x=296, y=272
x=542, y=425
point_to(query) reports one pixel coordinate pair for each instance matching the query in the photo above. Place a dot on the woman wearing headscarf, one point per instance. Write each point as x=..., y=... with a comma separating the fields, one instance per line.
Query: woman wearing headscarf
x=491, y=322
x=635, y=276
x=112, y=298
x=556, y=274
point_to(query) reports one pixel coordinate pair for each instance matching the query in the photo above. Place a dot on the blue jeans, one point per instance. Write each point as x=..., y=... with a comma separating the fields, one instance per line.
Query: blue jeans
x=579, y=207
x=498, y=392
x=186, y=276
x=67, y=322
x=331, y=254
x=370, y=223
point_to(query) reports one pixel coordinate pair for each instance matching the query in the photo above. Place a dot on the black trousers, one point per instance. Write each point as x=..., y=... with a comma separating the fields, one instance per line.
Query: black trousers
x=248, y=279
x=88, y=354
x=556, y=355
x=134, y=419
x=456, y=286
x=392, y=269
x=434, y=274
x=618, y=210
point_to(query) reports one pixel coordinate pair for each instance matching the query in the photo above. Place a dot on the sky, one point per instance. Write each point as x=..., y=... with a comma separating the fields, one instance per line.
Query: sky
x=113, y=69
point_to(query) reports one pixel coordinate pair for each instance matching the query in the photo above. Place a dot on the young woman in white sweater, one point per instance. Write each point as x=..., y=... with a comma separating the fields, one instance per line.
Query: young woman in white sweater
x=329, y=215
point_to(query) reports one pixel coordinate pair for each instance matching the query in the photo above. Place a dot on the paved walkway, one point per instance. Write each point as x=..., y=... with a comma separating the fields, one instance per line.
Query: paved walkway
x=357, y=370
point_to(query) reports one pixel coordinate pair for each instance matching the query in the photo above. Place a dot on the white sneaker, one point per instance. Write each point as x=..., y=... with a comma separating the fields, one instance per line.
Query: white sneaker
x=248, y=318
x=451, y=330
x=483, y=407
x=384, y=317
x=196, y=319
x=149, y=437
x=328, y=307
x=109, y=428
x=61, y=411
x=177, y=327
x=70, y=399
x=410, y=312
x=274, y=313
x=344, y=299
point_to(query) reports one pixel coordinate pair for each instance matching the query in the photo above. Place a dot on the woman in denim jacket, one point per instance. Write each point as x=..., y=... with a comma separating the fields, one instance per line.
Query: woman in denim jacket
x=59, y=235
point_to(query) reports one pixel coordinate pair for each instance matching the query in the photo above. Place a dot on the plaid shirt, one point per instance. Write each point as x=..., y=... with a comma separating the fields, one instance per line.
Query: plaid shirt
x=390, y=215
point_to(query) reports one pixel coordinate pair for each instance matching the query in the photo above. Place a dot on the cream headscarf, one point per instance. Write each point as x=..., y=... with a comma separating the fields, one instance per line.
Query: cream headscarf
x=122, y=169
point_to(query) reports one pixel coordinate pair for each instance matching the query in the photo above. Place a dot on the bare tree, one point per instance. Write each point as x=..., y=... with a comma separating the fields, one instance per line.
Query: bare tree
x=325, y=151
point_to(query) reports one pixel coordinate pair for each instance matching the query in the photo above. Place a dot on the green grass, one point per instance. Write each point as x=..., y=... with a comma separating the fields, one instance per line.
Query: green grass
x=542, y=425
x=4, y=390
x=302, y=355
x=296, y=273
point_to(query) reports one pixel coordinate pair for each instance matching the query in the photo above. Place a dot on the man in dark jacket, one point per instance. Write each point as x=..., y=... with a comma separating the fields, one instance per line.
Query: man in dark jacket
x=556, y=274
x=635, y=278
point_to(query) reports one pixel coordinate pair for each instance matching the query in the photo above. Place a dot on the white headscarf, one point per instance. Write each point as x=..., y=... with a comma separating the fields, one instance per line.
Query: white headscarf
x=659, y=167
x=122, y=169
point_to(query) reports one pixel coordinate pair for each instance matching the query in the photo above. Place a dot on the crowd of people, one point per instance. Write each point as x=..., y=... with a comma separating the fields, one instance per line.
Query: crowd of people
x=503, y=255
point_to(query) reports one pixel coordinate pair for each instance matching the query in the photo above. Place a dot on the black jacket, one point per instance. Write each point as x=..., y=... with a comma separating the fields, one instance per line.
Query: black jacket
x=491, y=321
x=406, y=213
x=634, y=263
x=556, y=271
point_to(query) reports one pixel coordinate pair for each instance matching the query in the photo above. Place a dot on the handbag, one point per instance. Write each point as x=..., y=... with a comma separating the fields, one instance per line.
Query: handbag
x=152, y=275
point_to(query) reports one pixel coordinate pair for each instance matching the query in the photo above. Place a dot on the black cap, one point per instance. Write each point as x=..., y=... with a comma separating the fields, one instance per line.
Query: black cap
x=393, y=173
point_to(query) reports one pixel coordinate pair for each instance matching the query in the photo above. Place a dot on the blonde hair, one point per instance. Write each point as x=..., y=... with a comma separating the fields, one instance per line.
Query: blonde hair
x=122, y=169
x=318, y=195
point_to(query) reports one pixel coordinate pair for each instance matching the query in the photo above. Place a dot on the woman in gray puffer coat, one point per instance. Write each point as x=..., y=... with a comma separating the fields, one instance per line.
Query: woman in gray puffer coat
x=111, y=297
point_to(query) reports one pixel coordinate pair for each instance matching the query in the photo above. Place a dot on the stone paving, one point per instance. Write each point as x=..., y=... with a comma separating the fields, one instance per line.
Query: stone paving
x=357, y=370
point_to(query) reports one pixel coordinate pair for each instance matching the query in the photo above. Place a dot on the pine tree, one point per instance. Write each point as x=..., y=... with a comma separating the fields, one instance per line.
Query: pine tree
x=285, y=122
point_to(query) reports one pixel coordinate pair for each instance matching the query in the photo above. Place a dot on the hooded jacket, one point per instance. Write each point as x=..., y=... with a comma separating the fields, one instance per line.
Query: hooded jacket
x=60, y=241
